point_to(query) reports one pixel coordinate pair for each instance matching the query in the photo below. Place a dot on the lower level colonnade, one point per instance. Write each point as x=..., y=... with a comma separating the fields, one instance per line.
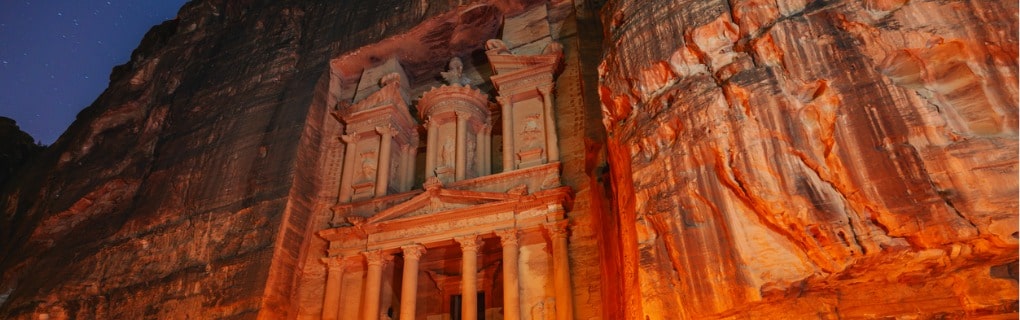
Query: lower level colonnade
x=375, y=261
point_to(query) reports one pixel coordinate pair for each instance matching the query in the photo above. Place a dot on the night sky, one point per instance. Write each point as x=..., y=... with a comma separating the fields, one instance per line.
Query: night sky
x=56, y=55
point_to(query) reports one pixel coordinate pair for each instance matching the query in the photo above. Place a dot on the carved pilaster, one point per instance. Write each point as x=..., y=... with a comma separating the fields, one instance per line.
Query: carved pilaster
x=431, y=147
x=461, y=166
x=385, y=152
x=351, y=140
x=551, y=140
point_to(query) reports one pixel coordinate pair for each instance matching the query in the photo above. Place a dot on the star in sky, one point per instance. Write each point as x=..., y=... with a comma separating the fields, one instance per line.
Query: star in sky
x=56, y=55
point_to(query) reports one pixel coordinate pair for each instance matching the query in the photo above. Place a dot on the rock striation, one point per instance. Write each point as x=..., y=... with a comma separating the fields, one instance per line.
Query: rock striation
x=728, y=159
x=801, y=158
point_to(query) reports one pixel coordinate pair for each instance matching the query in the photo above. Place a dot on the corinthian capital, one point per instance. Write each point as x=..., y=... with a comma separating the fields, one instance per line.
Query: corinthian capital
x=386, y=130
x=413, y=252
x=468, y=243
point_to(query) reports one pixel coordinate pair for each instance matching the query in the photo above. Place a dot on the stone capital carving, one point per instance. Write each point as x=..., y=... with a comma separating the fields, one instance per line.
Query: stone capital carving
x=503, y=101
x=507, y=237
x=336, y=263
x=556, y=229
x=462, y=116
x=430, y=124
x=413, y=252
x=468, y=243
x=386, y=130
x=349, y=138
x=375, y=257
x=333, y=263
x=545, y=90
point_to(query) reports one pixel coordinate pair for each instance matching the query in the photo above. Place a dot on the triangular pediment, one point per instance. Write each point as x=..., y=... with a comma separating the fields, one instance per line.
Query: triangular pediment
x=437, y=200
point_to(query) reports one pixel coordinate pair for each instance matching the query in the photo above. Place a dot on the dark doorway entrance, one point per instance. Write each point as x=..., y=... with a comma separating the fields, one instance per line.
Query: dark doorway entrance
x=455, y=303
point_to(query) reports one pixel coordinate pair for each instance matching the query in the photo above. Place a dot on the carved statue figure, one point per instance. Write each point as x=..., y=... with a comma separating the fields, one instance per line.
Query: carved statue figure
x=455, y=75
x=368, y=165
x=446, y=154
x=531, y=133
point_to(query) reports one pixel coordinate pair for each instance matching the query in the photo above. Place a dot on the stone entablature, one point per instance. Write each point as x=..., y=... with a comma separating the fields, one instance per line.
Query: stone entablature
x=439, y=214
x=533, y=179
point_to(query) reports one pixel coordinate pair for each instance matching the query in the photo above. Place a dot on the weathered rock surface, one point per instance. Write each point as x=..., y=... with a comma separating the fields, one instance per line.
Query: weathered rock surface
x=800, y=159
x=790, y=159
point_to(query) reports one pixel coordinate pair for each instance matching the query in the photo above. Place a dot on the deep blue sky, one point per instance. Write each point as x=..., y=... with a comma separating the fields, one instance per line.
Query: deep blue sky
x=56, y=55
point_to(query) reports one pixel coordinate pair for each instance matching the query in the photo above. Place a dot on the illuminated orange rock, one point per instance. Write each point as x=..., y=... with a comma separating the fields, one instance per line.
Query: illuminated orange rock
x=626, y=159
x=795, y=159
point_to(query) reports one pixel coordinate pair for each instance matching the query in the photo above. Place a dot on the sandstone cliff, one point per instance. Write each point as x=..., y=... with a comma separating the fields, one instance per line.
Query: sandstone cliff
x=814, y=158
x=790, y=159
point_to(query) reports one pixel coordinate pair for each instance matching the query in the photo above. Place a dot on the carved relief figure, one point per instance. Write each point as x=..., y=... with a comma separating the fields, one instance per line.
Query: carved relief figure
x=368, y=166
x=531, y=132
x=456, y=73
x=447, y=153
x=470, y=155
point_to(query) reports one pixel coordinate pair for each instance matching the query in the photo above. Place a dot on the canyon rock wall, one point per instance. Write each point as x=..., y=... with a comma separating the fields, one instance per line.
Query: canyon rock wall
x=802, y=159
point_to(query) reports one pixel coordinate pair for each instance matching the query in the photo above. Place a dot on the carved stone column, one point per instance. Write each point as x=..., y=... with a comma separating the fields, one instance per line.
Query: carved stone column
x=561, y=269
x=351, y=151
x=551, y=141
x=331, y=298
x=430, y=148
x=511, y=274
x=410, y=153
x=480, y=151
x=461, y=166
x=373, y=283
x=409, y=287
x=469, y=277
x=508, y=134
x=382, y=179
x=486, y=150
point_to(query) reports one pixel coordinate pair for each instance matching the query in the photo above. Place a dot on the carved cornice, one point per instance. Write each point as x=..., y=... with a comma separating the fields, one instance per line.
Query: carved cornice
x=470, y=99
